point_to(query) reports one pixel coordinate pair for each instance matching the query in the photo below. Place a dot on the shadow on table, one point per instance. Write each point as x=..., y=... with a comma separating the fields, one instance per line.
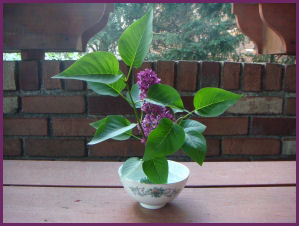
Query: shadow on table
x=172, y=213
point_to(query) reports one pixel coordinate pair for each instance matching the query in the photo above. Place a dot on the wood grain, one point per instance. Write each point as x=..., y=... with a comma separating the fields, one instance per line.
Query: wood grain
x=272, y=27
x=40, y=204
x=281, y=18
x=249, y=22
x=69, y=30
x=67, y=173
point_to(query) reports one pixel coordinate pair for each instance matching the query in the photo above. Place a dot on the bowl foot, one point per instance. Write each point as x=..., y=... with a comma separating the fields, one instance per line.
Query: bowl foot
x=152, y=207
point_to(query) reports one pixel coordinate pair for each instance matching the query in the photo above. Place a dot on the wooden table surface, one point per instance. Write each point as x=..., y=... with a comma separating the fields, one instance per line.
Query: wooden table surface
x=72, y=191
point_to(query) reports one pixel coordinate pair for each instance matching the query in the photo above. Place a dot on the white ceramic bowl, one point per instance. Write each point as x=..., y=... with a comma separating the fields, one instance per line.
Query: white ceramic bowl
x=155, y=196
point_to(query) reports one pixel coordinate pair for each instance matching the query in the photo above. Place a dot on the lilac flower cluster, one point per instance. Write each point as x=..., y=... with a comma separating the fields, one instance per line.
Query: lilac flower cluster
x=145, y=79
x=153, y=112
x=151, y=119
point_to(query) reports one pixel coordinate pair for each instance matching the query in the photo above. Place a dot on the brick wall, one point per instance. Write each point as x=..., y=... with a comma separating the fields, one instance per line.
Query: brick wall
x=48, y=119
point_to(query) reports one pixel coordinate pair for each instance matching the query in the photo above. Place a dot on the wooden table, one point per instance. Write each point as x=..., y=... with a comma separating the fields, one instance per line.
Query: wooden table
x=60, y=191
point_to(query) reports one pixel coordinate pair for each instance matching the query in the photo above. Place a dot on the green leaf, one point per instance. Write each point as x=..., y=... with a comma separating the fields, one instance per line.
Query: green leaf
x=195, y=144
x=100, y=67
x=193, y=125
x=130, y=166
x=97, y=124
x=135, y=41
x=113, y=89
x=124, y=136
x=176, y=110
x=212, y=102
x=164, y=95
x=111, y=127
x=120, y=137
x=156, y=170
x=166, y=139
x=135, y=92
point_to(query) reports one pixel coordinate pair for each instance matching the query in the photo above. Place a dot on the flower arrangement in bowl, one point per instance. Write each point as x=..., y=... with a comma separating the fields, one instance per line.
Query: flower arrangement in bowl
x=162, y=120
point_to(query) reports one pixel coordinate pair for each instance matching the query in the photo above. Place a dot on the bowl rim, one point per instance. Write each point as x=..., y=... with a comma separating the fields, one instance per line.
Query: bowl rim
x=185, y=178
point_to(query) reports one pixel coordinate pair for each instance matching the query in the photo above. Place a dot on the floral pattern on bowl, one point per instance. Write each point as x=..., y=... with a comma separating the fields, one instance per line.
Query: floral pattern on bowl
x=155, y=192
x=155, y=196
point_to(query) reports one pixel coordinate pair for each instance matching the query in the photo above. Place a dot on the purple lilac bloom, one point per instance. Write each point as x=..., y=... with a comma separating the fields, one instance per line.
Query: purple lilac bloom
x=145, y=79
x=153, y=112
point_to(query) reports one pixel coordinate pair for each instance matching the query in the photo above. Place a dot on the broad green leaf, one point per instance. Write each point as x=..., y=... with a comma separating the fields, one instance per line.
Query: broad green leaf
x=135, y=41
x=130, y=166
x=156, y=170
x=176, y=110
x=99, y=123
x=164, y=95
x=135, y=92
x=111, y=127
x=113, y=89
x=100, y=67
x=195, y=144
x=193, y=125
x=212, y=102
x=166, y=139
x=120, y=137
x=124, y=136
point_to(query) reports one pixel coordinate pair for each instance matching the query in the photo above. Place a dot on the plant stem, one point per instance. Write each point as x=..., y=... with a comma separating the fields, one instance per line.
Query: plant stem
x=129, y=73
x=121, y=95
x=133, y=104
x=141, y=116
x=138, y=138
x=185, y=116
x=135, y=111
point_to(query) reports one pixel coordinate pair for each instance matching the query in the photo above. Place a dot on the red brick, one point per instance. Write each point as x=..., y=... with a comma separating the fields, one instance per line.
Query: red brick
x=257, y=105
x=165, y=71
x=250, y=146
x=188, y=102
x=73, y=127
x=290, y=78
x=28, y=75
x=273, y=126
x=210, y=74
x=49, y=69
x=123, y=67
x=225, y=126
x=273, y=77
x=53, y=104
x=231, y=76
x=67, y=63
x=253, y=77
x=10, y=105
x=135, y=131
x=54, y=147
x=25, y=126
x=9, y=75
x=71, y=84
x=117, y=148
x=145, y=65
x=213, y=147
x=187, y=75
x=33, y=54
x=104, y=105
x=74, y=85
x=11, y=147
x=291, y=106
x=289, y=146
x=231, y=158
